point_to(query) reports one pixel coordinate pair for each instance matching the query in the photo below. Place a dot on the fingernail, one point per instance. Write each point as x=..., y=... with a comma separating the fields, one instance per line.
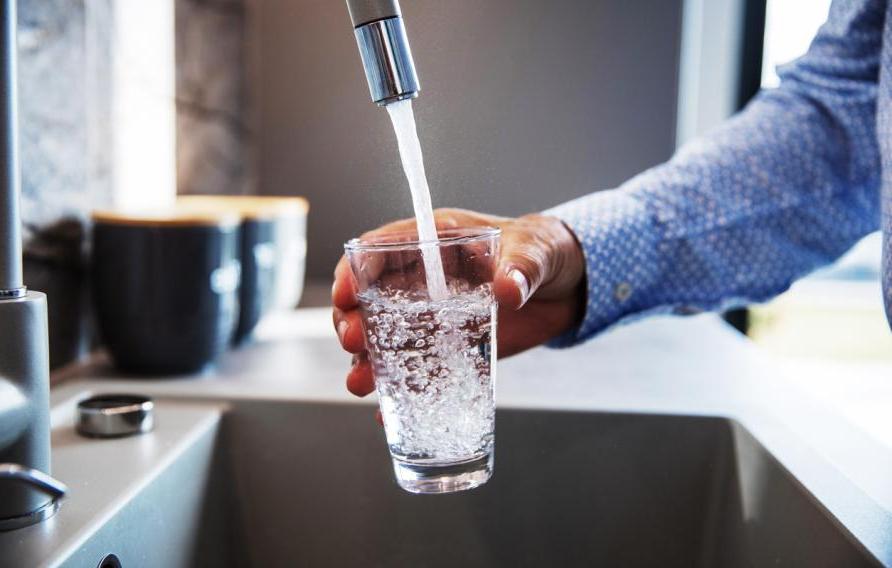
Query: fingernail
x=522, y=285
x=342, y=330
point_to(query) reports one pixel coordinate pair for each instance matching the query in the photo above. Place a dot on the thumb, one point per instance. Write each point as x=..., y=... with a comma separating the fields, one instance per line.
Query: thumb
x=522, y=269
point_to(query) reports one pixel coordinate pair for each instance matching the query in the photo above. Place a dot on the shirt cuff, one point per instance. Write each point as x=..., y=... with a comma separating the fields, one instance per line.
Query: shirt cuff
x=619, y=240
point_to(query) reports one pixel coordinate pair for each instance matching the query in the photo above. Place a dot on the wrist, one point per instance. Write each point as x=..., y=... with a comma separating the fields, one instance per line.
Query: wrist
x=620, y=242
x=577, y=262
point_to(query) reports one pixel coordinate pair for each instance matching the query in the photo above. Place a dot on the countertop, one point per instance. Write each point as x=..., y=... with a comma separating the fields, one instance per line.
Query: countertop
x=695, y=365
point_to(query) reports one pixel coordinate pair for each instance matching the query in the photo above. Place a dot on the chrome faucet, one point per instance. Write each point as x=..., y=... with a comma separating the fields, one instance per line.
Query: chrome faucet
x=27, y=493
x=384, y=49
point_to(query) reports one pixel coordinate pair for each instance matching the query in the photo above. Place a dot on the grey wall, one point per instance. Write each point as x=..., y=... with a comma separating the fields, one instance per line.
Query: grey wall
x=524, y=104
x=213, y=119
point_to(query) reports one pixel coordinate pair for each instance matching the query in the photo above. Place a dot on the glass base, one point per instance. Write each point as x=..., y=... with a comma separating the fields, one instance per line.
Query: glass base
x=433, y=479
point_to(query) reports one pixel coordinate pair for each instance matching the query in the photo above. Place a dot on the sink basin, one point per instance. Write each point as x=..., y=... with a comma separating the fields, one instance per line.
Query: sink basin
x=285, y=483
x=313, y=486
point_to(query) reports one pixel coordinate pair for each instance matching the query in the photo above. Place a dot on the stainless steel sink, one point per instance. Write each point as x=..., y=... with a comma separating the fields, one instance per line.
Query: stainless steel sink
x=286, y=483
x=310, y=484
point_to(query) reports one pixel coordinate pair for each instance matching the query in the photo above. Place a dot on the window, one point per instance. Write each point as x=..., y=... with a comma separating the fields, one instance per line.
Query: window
x=790, y=26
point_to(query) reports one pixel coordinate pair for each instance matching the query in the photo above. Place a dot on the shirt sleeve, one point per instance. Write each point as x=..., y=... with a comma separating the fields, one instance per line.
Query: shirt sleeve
x=787, y=185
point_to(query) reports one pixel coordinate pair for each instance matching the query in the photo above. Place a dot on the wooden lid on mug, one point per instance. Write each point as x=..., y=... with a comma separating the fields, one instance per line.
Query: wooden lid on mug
x=246, y=206
x=173, y=217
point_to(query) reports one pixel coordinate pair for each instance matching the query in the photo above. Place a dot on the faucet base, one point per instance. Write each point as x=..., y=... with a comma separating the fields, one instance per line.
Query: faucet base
x=24, y=367
x=32, y=518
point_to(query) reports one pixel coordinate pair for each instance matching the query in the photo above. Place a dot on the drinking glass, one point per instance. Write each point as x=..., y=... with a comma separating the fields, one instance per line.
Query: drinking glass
x=433, y=359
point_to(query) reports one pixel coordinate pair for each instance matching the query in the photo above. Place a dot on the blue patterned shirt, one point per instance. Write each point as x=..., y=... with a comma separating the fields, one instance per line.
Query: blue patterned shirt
x=787, y=185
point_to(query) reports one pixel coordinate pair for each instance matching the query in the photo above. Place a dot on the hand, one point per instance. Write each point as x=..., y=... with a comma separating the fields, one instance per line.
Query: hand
x=539, y=284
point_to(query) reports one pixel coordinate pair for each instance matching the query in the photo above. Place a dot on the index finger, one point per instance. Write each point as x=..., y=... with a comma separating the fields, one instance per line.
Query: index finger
x=343, y=292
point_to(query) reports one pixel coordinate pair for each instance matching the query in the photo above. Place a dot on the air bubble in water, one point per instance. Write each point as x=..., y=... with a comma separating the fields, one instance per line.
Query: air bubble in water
x=432, y=371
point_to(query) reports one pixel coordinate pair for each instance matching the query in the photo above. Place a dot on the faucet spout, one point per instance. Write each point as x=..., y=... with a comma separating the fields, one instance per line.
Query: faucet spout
x=384, y=49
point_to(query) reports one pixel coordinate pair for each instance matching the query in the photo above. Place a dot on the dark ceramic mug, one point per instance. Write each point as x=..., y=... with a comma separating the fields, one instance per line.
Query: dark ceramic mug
x=273, y=250
x=165, y=288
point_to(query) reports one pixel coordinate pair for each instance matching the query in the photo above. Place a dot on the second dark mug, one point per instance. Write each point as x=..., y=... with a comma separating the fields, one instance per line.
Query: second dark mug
x=165, y=288
x=272, y=248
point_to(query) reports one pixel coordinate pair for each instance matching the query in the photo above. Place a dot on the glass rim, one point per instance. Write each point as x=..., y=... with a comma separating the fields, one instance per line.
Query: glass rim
x=408, y=240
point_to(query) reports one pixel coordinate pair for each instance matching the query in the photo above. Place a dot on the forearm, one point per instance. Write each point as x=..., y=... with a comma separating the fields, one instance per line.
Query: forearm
x=733, y=218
